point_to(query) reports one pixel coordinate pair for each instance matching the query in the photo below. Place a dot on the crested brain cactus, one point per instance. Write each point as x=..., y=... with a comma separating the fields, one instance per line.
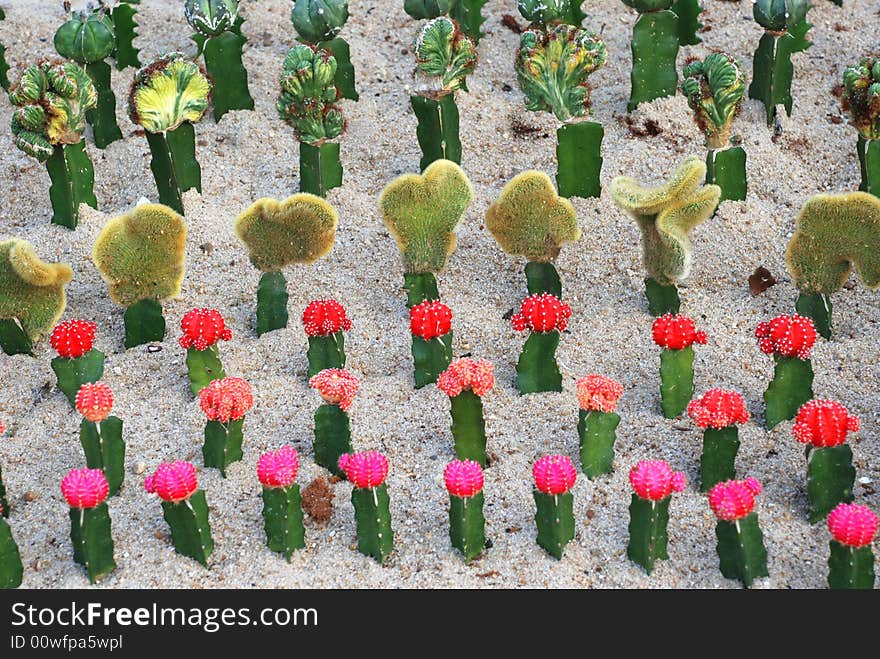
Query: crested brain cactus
x=464, y=481
x=718, y=412
x=31, y=295
x=77, y=362
x=554, y=476
x=851, y=561
x=224, y=402
x=318, y=22
x=666, y=214
x=337, y=388
x=141, y=256
x=101, y=434
x=789, y=339
x=85, y=491
x=653, y=483
x=597, y=423
x=51, y=101
x=282, y=511
x=861, y=98
x=545, y=316
x=367, y=472
x=466, y=381
x=676, y=335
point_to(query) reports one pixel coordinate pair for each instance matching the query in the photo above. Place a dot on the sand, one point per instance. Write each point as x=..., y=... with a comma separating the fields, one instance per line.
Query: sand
x=253, y=154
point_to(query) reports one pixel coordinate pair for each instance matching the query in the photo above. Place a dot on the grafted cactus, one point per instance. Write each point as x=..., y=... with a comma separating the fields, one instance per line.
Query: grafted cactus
x=552, y=11
x=141, y=256
x=51, y=101
x=31, y=295
x=300, y=229
x=666, y=214
x=835, y=235
x=861, y=98
x=318, y=22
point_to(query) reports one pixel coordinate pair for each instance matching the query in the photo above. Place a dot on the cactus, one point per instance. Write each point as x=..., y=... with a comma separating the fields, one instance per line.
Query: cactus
x=337, y=388
x=324, y=321
x=167, y=97
x=282, y=510
x=688, y=12
x=789, y=339
x=653, y=482
x=51, y=101
x=421, y=212
x=11, y=568
x=4, y=67
x=717, y=412
x=77, y=362
x=224, y=402
x=542, y=12
x=88, y=38
x=101, y=434
x=861, y=98
x=676, y=335
x=318, y=22
x=184, y=507
x=785, y=33
x=597, y=423
x=851, y=561
x=4, y=502
x=31, y=295
x=740, y=541
x=666, y=214
x=529, y=219
x=300, y=229
x=431, y=325
x=202, y=330
x=654, y=45
x=125, y=26
x=141, y=256
x=546, y=317
x=419, y=9
x=466, y=381
x=469, y=16
x=554, y=477
x=464, y=482
x=367, y=472
x=835, y=234
x=86, y=492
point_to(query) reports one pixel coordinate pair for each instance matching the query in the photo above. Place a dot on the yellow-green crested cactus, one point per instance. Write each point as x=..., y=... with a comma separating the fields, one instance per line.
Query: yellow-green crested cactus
x=168, y=92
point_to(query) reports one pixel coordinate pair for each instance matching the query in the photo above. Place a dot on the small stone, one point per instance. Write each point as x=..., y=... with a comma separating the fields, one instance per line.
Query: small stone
x=864, y=480
x=31, y=496
x=140, y=468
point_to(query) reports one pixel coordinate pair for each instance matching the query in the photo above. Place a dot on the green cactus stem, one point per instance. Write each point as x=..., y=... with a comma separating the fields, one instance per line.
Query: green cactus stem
x=73, y=177
x=555, y=521
x=579, y=159
x=597, y=431
x=718, y=460
x=850, y=567
x=542, y=277
x=345, y=75
x=203, y=367
x=419, y=287
x=190, y=528
x=467, y=525
x=13, y=339
x=654, y=51
x=676, y=380
x=125, y=26
x=830, y=477
x=741, y=549
x=73, y=373
x=437, y=129
x=469, y=16
x=4, y=501
x=552, y=11
x=174, y=165
x=283, y=519
x=536, y=370
x=11, y=569
x=469, y=428
x=104, y=449
x=144, y=323
x=332, y=437
x=792, y=386
x=271, y=303
x=869, y=165
x=320, y=169
x=92, y=540
x=103, y=118
x=662, y=299
x=688, y=12
x=222, y=444
x=648, y=538
x=326, y=352
x=430, y=358
x=818, y=307
x=4, y=67
x=727, y=169
x=375, y=536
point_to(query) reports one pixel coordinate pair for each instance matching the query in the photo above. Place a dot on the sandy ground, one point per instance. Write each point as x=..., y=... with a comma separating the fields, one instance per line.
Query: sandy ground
x=253, y=154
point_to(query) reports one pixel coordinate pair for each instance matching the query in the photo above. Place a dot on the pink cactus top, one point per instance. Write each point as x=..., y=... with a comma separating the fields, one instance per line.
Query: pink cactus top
x=554, y=474
x=542, y=313
x=226, y=400
x=852, y=525
x=94, y=401
x=73, y=338
x=823, y=423
x=733, y=500
x=787, y=336
x=718, y=408
x=597, y=393
x=676, y=332
x=337, y=386
x=278, y=468
x=202, y=328
x=654, y=480
x=324, y=317
x=85, y=488
x=474, y=374
x=430, y=319
x=464, y=478
x=364, y=470
x=173, y=481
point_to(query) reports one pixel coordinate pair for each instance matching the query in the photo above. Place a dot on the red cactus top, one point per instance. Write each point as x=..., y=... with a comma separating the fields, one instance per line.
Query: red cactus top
x=337, y=386
x=732, y=500
x=73, y=338
x=654, y=480
x=463, y=478
x=85, y=488
x=787, y=336
x=202, y=328
x=852, y=525
x=366, y=469
x=823, y=423
x=94, y=400
x=173, y=481
x=430, y=319
x=597, y=393
x=676, y=332
x=466, y=373
x=324, y=317
x=2, y=427
x=554, y=474
x=718, y=408
x=226, y=400
x=278, y=468
x=542, y=313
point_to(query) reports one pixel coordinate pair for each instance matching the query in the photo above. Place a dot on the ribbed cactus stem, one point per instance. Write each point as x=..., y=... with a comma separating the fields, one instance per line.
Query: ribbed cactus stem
x=13, y=338
x=869, y=165
x=320, y=169
x=144, y=323
x=542, y=277
x=741, y=549
x=536, y=370
x=718, y=460
x=125, y=27
x=791, y=387
x=662, y=298
x=222, y=444
x=676, y=380
x=332, y=437
x=430, y=358
x=437, y=129
x=345, y=77
x=597, y=431
x=688, y=12
x=174, y=165
x=11, y=569
x=772, y=70
x=818, y=307
x=4, y=66
x=830, y=477
x=4, y=501
x=468, y=427
x=326, y=352
x=92, y=540
x=104, y=449
x=371, y=508
x=271, y=303
x=204, y=367
x=579, y=159
x=727, y=169
x=555, y=521
x=283, y=519
x=190, y=528
x=647, y=531
x=468, y=14
x=420, y=287
x=72, y=373
x=654, y=51
x=102, y=119
x=850, y=567
x=467, y=525
x=223, y=62
x=73, y=177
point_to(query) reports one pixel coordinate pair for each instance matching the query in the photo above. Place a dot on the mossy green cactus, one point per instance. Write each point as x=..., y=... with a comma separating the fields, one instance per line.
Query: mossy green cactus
x=31, y=295
x=666, y=214
x=443, y=52
x=861, y=98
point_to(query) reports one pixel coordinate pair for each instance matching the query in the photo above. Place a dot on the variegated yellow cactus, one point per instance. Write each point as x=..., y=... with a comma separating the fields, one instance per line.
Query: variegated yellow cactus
x=169, y=91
